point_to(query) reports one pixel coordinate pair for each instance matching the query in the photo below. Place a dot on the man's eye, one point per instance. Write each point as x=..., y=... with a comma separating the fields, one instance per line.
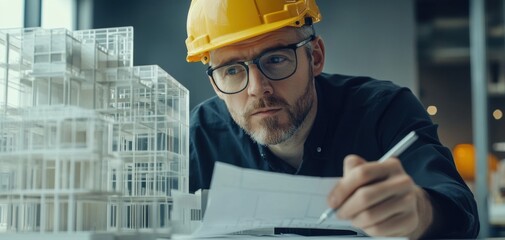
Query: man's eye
x=276, y=59
x=233, y=70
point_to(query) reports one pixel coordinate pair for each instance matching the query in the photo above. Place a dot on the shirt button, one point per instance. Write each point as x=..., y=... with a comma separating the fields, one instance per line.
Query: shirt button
x=318, y=149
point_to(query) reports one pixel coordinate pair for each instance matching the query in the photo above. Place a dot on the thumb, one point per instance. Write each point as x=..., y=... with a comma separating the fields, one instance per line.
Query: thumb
x=351, y=161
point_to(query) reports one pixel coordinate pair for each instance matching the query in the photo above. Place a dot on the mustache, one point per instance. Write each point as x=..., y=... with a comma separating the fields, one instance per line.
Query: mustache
x=270, y=101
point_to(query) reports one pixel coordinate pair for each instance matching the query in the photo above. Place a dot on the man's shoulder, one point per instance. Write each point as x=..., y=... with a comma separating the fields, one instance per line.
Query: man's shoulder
x=358, y=89
x=356, y=83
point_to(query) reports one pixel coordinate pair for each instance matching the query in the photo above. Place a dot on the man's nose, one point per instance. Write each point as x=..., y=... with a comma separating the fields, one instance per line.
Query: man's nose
x=259, y=84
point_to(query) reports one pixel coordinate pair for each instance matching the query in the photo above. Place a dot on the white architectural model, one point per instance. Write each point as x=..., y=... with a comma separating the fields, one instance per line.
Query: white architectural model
x=87, y=141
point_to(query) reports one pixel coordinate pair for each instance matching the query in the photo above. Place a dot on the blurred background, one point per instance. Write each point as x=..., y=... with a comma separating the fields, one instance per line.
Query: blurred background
x=421, y=44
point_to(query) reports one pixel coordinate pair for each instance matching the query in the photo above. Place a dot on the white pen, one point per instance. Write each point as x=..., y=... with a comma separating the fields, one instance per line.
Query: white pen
x=393, y=152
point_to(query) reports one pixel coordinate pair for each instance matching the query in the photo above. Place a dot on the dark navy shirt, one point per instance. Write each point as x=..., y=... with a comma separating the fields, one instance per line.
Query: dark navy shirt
x=355, y=115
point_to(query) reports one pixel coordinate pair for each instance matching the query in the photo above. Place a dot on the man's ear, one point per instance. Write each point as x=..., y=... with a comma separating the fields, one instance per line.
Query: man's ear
x=218, y=93
x=318, y=55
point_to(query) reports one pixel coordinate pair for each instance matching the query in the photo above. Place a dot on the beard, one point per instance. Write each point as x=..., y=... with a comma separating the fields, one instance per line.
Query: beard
x=270, y=130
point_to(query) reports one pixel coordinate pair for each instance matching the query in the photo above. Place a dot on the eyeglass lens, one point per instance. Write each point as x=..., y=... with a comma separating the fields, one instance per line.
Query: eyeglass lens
x=275, y=65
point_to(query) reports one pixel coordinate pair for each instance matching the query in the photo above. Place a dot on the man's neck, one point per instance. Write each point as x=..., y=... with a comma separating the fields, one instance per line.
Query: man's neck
x=291, y=151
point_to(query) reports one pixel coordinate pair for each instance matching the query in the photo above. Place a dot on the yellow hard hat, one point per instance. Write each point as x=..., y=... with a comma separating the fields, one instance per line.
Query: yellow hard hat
x=216, y=23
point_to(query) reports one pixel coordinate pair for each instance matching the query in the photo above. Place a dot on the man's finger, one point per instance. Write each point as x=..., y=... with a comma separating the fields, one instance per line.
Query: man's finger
x=358, y=173
x=335, y=198
x=375, y=194
x=351, y=161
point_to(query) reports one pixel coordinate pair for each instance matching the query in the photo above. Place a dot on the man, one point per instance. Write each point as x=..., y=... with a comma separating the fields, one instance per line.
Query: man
x=276, y=110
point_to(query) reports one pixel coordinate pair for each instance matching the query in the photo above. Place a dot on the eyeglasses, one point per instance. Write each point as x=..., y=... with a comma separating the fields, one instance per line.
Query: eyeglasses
x=275, y=64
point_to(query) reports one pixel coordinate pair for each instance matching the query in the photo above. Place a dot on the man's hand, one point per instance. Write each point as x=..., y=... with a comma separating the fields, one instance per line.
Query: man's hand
x=381, y=199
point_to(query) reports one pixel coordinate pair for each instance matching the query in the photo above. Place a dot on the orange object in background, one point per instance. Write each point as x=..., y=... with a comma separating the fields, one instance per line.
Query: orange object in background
x=464, y=158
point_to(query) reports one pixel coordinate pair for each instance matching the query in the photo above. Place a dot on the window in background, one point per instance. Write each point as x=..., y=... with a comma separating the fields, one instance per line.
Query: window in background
x=11, y=13
x=58, y=14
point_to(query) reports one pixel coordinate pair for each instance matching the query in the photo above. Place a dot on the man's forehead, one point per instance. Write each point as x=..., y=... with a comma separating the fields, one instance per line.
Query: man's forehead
x=255, y=45
x=286, y=33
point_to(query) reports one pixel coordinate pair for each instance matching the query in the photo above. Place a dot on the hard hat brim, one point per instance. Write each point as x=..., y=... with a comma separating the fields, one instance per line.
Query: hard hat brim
x=202, y=53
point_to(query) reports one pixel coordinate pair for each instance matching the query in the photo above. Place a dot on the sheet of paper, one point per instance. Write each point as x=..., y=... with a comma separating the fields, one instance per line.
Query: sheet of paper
x=242, y=199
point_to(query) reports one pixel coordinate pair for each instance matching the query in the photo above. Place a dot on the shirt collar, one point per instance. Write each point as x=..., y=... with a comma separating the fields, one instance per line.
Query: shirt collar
x=314, y=146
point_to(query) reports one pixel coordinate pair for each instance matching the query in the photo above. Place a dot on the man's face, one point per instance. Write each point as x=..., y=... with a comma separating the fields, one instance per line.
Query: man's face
x=269, y=111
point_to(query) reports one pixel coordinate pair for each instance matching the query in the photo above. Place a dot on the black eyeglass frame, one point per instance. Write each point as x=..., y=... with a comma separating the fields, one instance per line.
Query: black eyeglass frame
x=255, y=61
